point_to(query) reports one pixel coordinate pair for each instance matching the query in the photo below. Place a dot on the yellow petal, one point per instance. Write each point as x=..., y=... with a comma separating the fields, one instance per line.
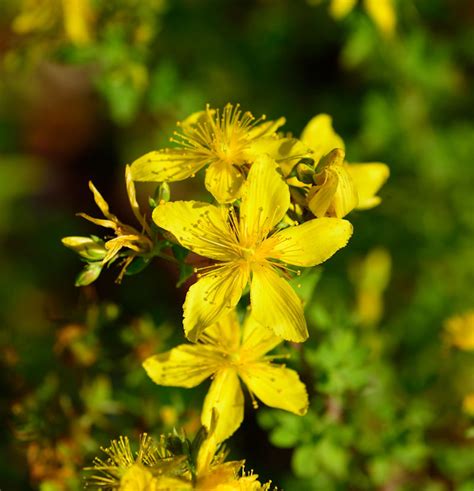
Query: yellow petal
x=368, y=179
x=226, y=397
x=265, y=129
x=224, y=181
x=312, y=242
x=200, y=227
x=321, y=196
x=275, y=304
x=77, y=20
x=276, y=386
x=132, y=197
x=285, y=151
x=137, y=478
x=320, y=136
x=212, y=297
x=265, y=200
x=165, y=165
x=225, y=333
x=383, y=14
x=256, y=339
x=186, y=365
x=340, y=8
x=345, y=199
x=101, y=203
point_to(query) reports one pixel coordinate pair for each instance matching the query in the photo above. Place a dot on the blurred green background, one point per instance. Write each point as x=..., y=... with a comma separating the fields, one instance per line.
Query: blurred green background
x=88, y=86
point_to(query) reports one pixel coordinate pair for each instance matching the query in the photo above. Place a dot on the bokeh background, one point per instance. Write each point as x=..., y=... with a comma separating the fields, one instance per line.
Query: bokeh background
x=89, y=85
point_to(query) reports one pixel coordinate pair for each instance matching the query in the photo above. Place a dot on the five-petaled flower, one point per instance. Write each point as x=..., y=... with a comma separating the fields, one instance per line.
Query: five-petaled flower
x=247, y=248
x=226, y=353
x=221, y=140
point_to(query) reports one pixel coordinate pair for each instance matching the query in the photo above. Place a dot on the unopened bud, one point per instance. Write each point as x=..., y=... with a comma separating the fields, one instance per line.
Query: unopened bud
x=89, y=274
x=86, y=247
x=305, y=173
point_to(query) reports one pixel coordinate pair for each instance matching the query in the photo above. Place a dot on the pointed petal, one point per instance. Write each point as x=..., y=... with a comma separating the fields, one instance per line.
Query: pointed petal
x=256, y=339
x=368, y=179
x=320, y=136
x=226, y=397
x=225, y=333
x=101, y=203
x=276, y=386
x=200, y=227
x=186, y=365
x=311, y=243
x=275, y=304
x=265, y=200
x=211, y=297
x=165, y=165
x=132, y=197
x=224, y=181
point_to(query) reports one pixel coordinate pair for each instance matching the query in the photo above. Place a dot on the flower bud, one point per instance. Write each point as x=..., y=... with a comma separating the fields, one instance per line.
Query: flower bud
x=86, y=247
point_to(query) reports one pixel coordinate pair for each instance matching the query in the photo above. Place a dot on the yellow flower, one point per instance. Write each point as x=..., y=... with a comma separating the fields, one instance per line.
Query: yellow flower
x=128, y=472
x=214, y=138
x=226, y=353
x=459, y=331
x=339, y=187
x=246, y=249
x=382, y=12
x=468, y=404
x=127, y=237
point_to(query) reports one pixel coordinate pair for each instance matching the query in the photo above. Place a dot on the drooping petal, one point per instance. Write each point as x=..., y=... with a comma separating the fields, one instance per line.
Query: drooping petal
x=166, y=165
x=212, y=297
x=276, y=386
x=226, y=397
x=225, y=333
x=368, y=179
x=310, y=243
x=320, y=136
x=256, y=339
x=321, y=196
x=186, y=365
x=200, y=227
x=275, y=304
x=265, y=200
x=334, y=181
x=224, y=181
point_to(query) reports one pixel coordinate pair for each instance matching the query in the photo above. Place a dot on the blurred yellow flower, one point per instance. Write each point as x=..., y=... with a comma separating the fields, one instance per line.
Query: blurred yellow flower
x=459, y=331
x=382, y=12
x=76, y=17
x=370, y=277
x=226, y=353
x=339, y=187
x=247, y=250
x=468, y=404
x=214, y=138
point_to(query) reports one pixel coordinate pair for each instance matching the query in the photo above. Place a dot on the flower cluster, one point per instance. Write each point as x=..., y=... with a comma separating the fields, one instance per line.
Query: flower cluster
x=279, y=204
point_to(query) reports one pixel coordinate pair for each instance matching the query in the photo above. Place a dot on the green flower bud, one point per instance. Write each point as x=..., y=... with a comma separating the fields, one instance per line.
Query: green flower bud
x=90, y=249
